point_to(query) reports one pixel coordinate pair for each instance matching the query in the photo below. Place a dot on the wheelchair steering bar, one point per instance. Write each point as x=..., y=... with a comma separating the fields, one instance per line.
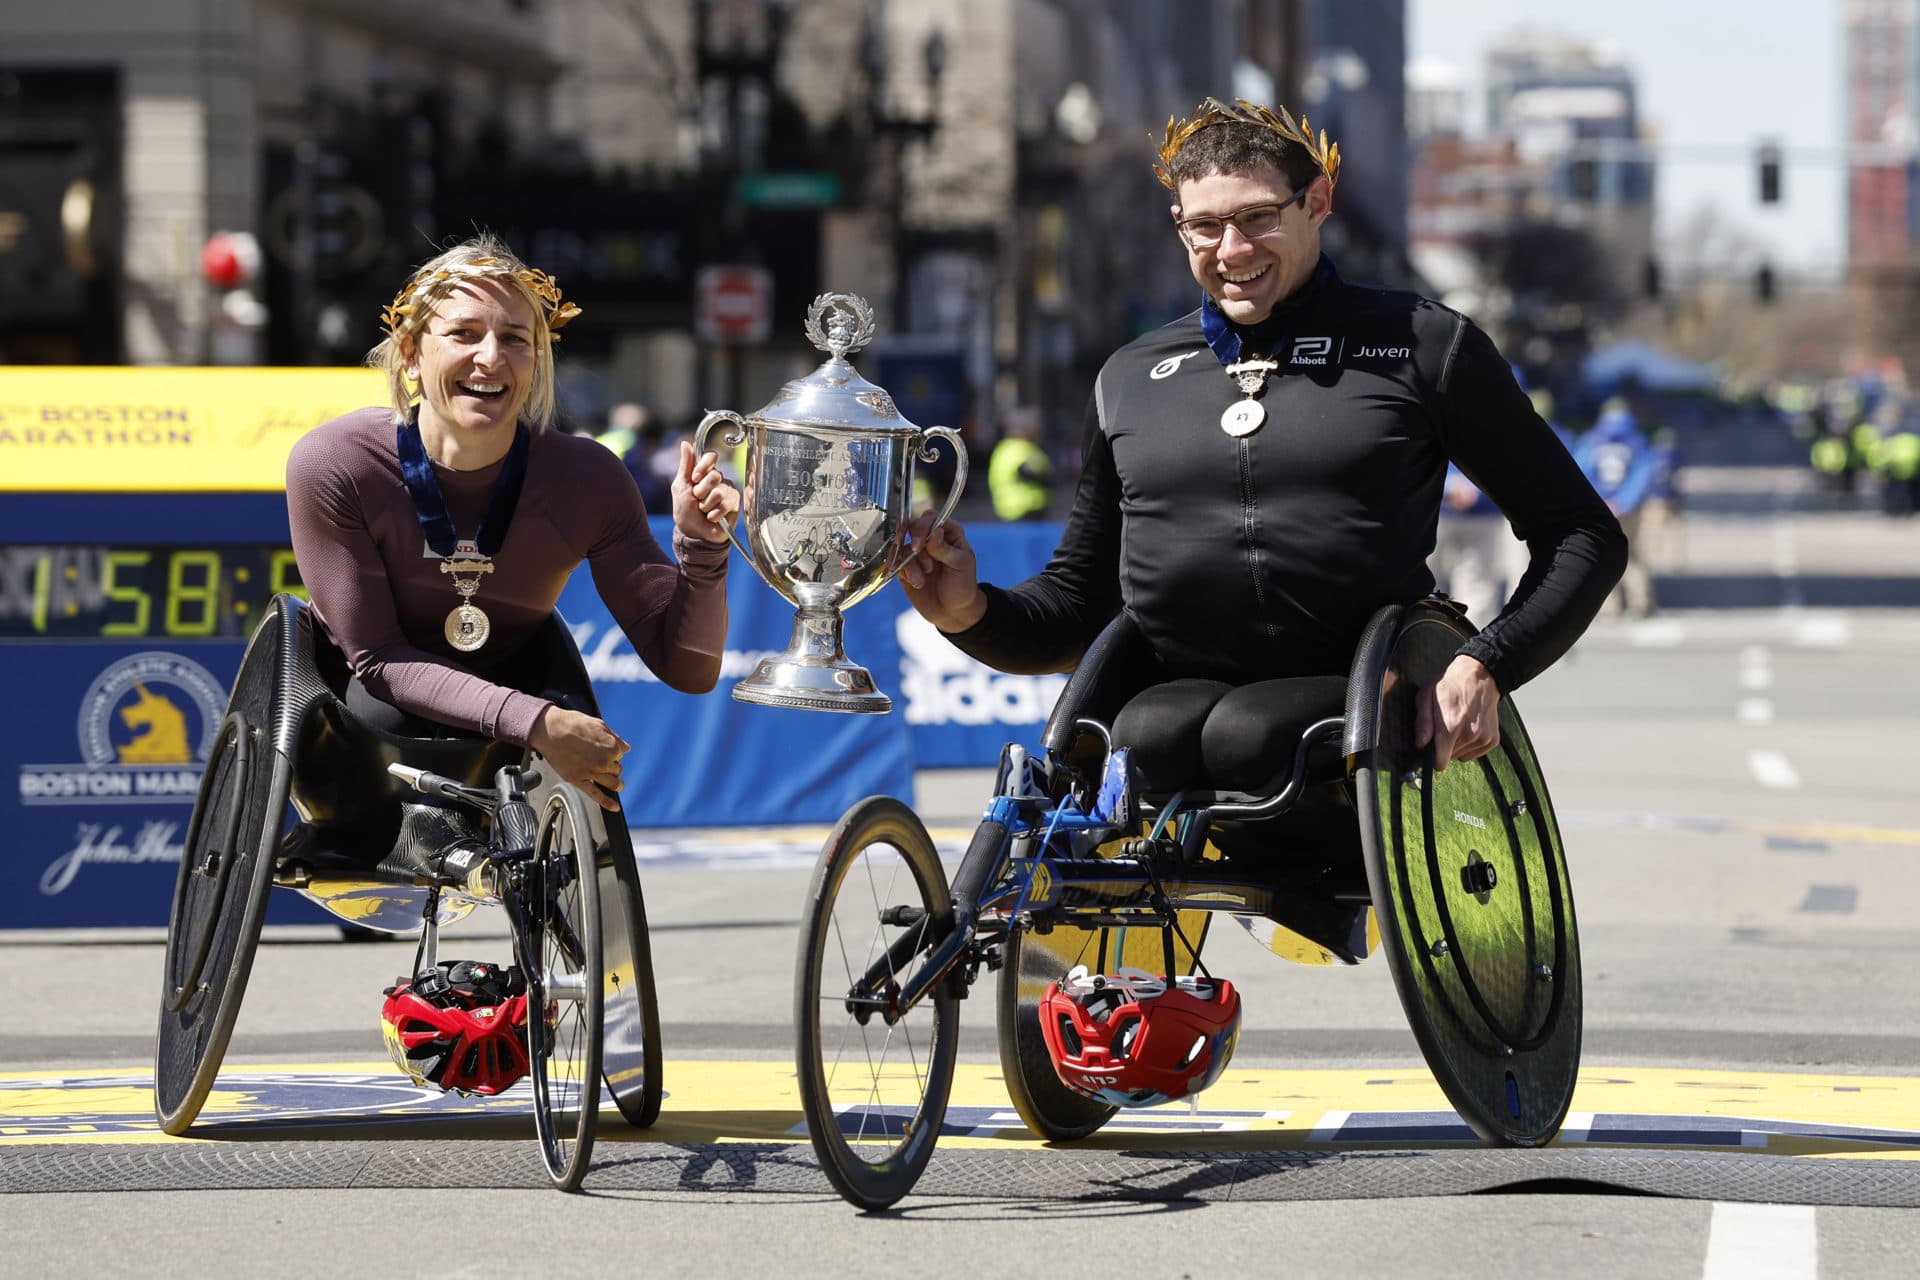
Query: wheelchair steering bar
x=436, y=784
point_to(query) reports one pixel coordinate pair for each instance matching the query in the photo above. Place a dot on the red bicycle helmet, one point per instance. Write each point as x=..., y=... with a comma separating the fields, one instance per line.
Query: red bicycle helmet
x=1130, y=1040
x=461, y=1025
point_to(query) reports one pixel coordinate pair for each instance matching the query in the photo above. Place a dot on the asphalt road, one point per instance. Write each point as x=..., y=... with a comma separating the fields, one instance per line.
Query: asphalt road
x=1739, y=799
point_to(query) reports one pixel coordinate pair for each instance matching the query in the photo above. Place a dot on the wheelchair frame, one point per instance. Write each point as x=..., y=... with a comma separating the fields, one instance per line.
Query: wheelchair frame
x=1498, y=1025
x=239, y=846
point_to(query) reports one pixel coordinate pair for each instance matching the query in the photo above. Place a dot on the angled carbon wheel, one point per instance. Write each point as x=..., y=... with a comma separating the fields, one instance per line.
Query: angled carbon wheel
x=1046, y=1106
x=631, y=1057
x=1469, y=880
x=220, y=893
x=1032, y=960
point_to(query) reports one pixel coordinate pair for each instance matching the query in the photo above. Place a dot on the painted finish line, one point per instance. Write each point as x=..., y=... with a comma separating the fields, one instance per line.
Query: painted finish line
x=730, y=1101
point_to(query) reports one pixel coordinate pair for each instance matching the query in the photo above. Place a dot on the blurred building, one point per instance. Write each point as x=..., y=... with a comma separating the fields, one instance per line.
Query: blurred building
x=160, y=122
x=1572, y=111
x=1540, y=225
x=1354, y=87
x=979, y=169
x=1882, y=52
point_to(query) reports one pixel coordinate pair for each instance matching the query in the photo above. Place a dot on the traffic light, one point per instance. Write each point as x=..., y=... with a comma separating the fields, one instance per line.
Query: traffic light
x=1769, y=174
x=1650, y=278
x=1763, y=282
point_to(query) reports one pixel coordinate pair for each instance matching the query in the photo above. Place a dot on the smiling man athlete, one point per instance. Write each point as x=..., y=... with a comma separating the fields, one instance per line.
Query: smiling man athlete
x=1264, y=473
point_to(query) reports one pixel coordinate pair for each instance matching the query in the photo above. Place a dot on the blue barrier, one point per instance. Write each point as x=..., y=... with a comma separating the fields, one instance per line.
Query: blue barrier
x=98, y=811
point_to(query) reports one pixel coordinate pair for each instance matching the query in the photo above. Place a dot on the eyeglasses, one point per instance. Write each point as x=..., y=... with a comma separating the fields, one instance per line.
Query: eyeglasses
x=1253, y=222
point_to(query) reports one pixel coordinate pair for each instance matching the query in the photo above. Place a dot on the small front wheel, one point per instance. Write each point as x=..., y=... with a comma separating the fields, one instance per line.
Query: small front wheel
x=874, y=1091
x=561, y=952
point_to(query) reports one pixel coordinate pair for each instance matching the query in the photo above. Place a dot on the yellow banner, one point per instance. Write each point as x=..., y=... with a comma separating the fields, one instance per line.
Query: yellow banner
x=165, y=430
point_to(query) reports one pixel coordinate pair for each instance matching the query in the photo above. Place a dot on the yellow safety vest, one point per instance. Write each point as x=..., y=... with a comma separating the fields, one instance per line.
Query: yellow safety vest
x=1014, y=496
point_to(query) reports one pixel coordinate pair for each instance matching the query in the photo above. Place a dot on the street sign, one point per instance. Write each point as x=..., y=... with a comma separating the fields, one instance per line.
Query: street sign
x=800, y=190
x=733, y=304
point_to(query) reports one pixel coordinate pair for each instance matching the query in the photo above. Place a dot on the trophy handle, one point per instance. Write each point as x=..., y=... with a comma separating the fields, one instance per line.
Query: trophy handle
x=926, y=453
x=735, y=433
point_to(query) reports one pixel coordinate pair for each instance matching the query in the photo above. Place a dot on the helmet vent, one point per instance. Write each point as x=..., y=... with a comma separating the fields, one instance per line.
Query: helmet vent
x=1069, y=1037
x=1193, y=1052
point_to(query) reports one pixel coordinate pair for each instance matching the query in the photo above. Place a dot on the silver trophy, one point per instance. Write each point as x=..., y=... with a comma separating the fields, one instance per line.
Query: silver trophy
x=826, y=493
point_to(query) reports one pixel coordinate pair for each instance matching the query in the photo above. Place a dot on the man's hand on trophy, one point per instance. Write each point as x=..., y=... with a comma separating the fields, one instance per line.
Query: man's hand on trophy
x=704, y=503
x=941, y=577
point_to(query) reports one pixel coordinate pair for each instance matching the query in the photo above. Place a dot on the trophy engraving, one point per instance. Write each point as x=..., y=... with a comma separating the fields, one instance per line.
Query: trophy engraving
x=825, y=499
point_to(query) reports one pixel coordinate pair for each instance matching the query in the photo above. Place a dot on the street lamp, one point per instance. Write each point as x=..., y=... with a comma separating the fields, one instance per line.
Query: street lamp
x=900, y=128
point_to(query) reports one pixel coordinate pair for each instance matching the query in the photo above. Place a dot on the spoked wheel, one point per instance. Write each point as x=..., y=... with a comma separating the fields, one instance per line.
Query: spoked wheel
x=1031, y=961
x=874, y=1091
x=1469, y=878
x=561, y=953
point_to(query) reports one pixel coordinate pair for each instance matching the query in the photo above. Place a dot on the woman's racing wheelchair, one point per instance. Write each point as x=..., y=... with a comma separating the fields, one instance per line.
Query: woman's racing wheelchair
x=399, y=834
x=1458, y=874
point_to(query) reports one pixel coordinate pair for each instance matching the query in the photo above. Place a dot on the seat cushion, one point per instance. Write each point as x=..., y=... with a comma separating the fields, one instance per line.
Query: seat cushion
x=1190, y=734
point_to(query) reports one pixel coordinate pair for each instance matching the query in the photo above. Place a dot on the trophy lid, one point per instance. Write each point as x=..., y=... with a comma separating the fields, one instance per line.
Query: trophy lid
x=835, y=395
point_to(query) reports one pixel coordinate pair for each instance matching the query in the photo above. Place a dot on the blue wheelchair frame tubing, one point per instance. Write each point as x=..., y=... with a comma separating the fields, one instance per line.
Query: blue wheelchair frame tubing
x=1064, y=819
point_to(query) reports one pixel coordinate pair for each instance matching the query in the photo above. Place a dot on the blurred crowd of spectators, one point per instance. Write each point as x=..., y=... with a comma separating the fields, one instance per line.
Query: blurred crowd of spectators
x=1863, y=439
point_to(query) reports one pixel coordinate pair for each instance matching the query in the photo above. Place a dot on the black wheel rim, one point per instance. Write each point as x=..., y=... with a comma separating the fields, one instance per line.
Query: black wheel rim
x=207, y=862
x=562, y=957
x=875, y=1091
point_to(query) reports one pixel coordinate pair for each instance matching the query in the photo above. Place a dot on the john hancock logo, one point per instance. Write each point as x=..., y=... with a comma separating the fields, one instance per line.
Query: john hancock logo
x=145, y=726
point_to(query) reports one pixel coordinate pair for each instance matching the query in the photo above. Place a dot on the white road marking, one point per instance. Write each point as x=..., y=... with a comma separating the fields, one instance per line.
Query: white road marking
x=1771, y=769
x=1576, y=1126
x=1754, y=711
x=1762, y=1242
x=1329, y=1127
x=1756, y=667
x=1657, y=633
x=1830, y=632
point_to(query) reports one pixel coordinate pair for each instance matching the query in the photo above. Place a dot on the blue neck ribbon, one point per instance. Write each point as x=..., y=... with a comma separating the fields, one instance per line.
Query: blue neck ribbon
x=435, y=521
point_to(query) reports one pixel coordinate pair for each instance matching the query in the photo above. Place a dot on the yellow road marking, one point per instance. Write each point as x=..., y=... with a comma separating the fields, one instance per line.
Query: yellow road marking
x=1255, y=1109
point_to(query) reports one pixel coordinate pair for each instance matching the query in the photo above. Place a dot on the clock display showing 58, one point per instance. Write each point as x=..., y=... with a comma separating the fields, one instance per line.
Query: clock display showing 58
x=111, y=593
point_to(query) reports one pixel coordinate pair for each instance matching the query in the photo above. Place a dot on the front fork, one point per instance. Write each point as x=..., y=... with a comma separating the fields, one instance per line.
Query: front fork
x=879, y=990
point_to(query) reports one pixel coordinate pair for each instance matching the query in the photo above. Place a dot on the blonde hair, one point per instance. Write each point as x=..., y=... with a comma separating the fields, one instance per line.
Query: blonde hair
x=484, y=257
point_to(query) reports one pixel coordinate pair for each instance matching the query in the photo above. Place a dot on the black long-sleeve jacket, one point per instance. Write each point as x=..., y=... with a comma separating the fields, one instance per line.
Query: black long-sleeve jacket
x=1264, y=556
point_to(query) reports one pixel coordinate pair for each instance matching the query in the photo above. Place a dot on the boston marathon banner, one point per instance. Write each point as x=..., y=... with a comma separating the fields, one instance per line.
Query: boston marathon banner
x=173, y=430
x=106, y=739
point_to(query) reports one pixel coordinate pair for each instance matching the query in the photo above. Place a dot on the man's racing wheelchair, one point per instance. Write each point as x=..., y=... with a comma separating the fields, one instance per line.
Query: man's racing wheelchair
x=399, y=834
x=1076, y=881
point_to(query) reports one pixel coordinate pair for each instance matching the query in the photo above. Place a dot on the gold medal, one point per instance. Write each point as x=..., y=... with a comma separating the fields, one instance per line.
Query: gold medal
x=467, y=628
x=1242, y=418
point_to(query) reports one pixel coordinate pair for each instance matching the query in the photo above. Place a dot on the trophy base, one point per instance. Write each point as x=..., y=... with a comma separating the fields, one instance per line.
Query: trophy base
x=811, y=686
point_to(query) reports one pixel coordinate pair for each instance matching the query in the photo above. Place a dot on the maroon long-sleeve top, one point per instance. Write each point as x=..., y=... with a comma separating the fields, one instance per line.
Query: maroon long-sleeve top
x=377, y=587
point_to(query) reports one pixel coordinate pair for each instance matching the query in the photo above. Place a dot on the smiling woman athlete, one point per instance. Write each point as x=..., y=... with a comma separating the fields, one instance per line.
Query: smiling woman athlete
x=434, y=535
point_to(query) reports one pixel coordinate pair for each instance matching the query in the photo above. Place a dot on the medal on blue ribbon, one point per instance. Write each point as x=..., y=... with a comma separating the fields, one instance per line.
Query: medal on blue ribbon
x=465, y=561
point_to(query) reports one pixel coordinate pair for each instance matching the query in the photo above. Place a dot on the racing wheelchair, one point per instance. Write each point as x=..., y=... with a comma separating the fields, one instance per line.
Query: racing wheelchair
x=401, y=834
x=1090, y=893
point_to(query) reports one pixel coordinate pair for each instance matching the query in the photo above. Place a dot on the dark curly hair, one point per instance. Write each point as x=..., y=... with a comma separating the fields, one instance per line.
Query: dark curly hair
x=1233, y=147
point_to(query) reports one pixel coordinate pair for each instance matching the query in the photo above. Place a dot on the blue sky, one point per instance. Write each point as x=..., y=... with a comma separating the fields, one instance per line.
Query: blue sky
x=1712, y=74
